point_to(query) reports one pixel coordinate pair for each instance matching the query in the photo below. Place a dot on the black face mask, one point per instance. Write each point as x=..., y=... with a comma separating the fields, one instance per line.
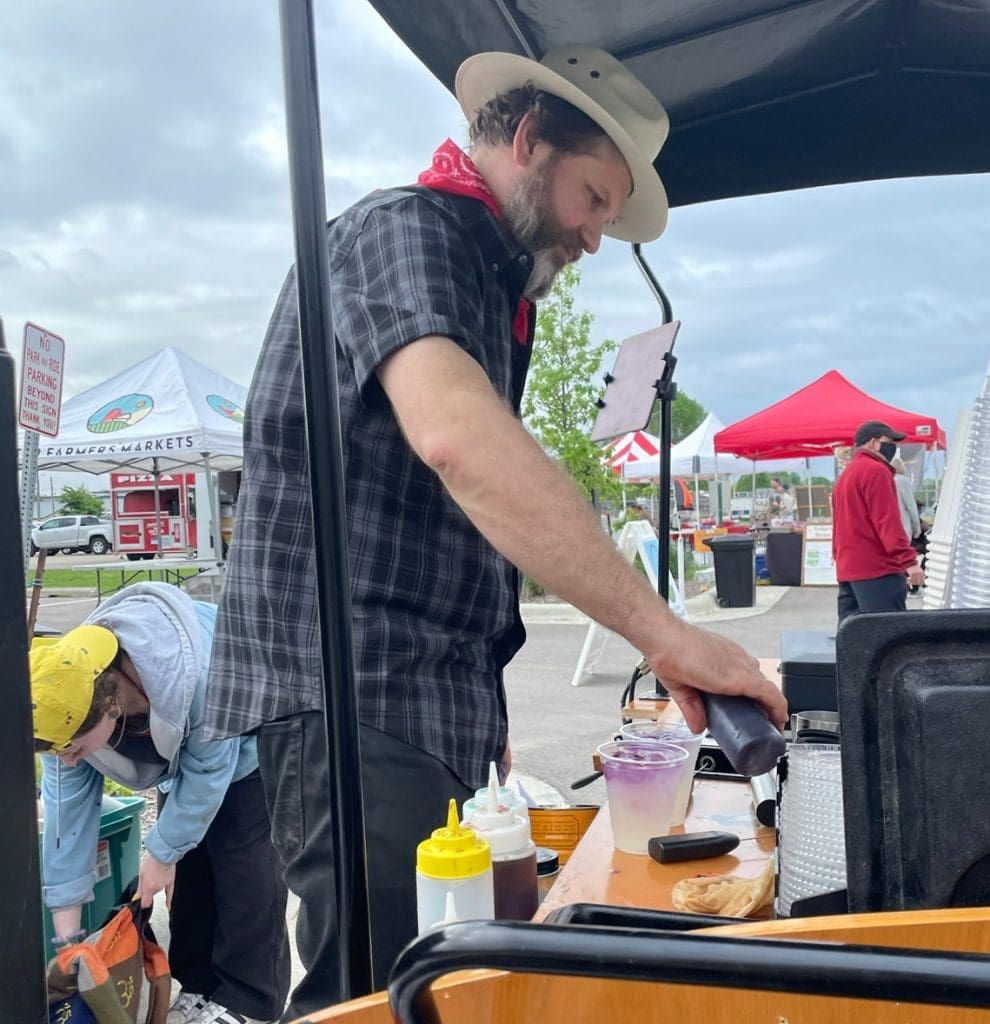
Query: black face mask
x=888, y=449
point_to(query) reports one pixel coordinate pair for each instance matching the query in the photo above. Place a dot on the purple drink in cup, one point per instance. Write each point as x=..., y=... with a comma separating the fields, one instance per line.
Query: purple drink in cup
x=641, y=781
x=671, y=732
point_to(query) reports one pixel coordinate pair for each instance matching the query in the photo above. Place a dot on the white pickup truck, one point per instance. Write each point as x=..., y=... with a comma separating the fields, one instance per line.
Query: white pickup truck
x=73, y=533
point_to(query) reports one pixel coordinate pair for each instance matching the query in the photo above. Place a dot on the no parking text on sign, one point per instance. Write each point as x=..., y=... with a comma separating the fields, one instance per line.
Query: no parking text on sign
x=41, y=380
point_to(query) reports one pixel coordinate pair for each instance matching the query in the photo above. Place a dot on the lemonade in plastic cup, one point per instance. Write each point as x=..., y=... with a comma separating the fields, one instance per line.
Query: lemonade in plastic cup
x=641, y=781
x=671, y=732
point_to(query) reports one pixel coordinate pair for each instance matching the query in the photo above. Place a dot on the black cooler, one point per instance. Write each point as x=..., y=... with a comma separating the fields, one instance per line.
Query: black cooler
x=807, y=670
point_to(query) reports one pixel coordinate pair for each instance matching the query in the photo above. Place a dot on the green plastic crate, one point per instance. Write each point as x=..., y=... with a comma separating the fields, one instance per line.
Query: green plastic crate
x=118, y=858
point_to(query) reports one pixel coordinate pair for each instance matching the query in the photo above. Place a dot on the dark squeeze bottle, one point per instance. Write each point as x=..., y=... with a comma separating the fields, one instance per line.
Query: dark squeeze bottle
x=513, y=855
x=747, y=737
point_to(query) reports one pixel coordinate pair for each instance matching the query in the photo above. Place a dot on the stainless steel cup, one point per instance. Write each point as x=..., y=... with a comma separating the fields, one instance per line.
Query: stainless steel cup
x=820, y=725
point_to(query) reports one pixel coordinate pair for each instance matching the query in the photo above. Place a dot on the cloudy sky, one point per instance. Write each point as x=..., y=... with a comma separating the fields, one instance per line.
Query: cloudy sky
x=144, y=202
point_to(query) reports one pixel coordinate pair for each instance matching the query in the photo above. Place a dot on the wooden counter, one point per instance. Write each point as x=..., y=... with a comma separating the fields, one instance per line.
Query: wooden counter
x=598, y=873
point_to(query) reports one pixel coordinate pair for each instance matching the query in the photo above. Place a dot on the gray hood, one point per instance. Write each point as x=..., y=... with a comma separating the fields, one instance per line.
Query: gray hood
x=157, y=625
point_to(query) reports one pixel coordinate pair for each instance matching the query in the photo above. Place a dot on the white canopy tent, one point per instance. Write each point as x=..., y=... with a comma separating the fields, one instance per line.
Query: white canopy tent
x=168, y=413
x=700, y=445
x=695, y=456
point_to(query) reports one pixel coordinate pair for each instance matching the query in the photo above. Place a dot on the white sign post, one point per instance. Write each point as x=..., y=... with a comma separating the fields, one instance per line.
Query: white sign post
x=39, y=410
x=41, y=380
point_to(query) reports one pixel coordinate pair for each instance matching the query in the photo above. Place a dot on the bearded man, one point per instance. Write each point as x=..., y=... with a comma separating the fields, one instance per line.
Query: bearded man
x=448, y=497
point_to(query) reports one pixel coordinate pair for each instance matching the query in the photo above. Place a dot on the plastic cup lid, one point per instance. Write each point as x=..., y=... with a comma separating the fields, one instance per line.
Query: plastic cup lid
x=646, y=755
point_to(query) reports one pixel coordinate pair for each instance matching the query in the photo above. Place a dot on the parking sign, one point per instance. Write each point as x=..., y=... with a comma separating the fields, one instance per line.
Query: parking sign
x=41, y=380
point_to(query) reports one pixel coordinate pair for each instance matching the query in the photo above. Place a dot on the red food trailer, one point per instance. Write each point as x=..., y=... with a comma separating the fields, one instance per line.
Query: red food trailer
x=136, y=519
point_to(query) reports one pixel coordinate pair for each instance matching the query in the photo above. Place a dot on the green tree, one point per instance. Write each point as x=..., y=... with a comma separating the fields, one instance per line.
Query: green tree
x=79, y=501
x=745, y=482
x=686, y=415
x=563, y=386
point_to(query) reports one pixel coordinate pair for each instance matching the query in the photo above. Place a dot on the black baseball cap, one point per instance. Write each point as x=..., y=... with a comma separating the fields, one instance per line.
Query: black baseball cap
x=875, y=428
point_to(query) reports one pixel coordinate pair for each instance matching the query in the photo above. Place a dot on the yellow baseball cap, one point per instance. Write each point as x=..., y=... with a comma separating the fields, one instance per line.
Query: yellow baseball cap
x=62, y=678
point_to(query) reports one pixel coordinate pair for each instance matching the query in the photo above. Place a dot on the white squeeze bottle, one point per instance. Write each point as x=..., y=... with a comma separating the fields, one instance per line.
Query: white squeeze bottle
x=513, y=855
x=457, y=861
x=506, y=797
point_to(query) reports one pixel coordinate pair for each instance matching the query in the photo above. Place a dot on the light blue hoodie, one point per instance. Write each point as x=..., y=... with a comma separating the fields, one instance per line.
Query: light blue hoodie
x=168, y=636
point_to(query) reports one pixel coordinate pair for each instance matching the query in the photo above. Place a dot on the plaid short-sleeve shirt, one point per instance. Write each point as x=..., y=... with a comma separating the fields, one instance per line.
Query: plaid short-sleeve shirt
x=436, y=613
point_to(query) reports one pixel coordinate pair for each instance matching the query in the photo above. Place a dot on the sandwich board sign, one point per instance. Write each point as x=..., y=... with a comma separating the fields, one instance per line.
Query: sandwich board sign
x=817, y=567
x=42, y=369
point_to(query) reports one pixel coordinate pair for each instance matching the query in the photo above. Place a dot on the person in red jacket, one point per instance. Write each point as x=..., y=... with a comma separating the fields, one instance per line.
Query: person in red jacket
x=874, y=562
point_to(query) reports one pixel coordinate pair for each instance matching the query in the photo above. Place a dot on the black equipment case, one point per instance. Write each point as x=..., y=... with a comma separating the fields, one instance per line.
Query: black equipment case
x=807, y=670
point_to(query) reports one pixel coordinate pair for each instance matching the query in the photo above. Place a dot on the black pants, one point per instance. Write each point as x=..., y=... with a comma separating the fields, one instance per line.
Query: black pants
x=883, y=594
x=228, y=936
x=405, y=798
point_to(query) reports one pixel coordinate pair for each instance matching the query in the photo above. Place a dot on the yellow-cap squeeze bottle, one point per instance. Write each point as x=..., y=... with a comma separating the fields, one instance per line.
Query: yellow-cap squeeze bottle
x=453, y=860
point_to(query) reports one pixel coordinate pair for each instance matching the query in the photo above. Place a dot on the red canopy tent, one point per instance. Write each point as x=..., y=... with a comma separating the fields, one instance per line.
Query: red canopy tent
x=819, y=418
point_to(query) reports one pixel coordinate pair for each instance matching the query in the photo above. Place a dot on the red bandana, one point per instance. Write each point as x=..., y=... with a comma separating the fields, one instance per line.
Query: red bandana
x=452, y=170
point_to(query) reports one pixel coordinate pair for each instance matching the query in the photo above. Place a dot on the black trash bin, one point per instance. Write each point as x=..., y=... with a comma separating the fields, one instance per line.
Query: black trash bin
x=735, y=576
x=784, y=549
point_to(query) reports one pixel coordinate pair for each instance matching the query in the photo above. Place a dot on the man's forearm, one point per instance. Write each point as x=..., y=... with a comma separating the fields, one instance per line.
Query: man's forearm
x=519, y=500
x=533, y=514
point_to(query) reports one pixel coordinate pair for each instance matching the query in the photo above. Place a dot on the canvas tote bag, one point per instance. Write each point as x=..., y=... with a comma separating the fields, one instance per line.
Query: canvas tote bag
x=113, y=974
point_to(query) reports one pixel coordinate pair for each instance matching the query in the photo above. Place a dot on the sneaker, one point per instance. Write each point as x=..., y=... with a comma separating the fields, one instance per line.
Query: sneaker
x=214, y=1013
x=186, y=1008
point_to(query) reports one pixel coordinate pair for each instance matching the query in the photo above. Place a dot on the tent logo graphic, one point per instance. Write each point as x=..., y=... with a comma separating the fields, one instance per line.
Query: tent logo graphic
x=224, y=406
x=120, y=413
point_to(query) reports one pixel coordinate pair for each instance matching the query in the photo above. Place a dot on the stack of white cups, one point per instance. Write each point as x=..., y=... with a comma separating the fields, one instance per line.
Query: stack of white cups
x=970, y=577
x=812, y=849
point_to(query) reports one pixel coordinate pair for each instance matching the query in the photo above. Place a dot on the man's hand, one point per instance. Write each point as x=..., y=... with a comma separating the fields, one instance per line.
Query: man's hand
x=916, y=576
x=154, y=877
x=694, y=660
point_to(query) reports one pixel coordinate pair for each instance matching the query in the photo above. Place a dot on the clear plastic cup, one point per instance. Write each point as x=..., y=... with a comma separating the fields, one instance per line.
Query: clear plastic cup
x=641, y=781
x=671, y=732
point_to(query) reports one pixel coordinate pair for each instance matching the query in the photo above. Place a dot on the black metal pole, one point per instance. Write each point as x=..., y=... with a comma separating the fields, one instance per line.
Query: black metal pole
x=666, y=392
x=302, y=103
x=22, y=955
x=658, y=293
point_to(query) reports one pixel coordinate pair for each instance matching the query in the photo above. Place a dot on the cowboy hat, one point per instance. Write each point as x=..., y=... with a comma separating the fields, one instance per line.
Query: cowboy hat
x=601, y=87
